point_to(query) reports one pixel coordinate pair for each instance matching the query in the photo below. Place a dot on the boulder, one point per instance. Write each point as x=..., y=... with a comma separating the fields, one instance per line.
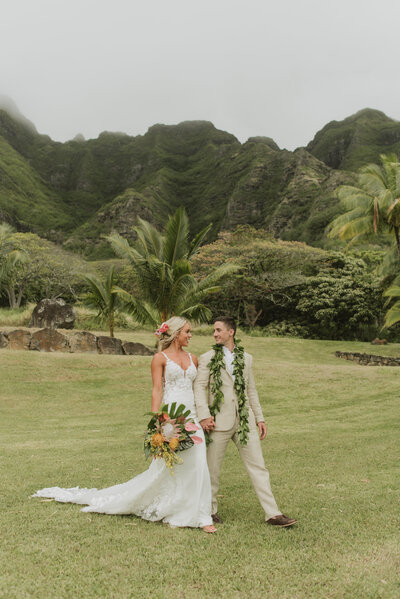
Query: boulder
x=378, y=341
x=109, y=345
x=19, y=339
x=49, y=340
x=83, y=342
x=53, y=314
x=137, y=349
x=3, y=340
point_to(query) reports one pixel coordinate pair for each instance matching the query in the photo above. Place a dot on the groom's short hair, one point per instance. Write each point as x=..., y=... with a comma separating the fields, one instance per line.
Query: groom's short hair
x=228, y=321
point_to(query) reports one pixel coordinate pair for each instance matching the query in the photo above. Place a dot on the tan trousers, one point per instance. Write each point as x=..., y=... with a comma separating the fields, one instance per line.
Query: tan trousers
x=253, y=460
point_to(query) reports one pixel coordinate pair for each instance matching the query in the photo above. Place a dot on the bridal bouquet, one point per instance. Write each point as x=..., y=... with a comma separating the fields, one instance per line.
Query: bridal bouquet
x=170, y=430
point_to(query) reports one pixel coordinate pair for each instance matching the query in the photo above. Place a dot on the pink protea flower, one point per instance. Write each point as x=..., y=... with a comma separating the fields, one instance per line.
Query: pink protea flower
x=169, y=430
x=196, y=440
x=191, y=426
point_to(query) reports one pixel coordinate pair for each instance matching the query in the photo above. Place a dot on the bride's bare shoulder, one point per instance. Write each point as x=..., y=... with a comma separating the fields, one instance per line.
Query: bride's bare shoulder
x=158, y=358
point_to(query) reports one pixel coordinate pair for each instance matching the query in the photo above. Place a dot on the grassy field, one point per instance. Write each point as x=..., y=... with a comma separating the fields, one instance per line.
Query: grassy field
x=332, y=451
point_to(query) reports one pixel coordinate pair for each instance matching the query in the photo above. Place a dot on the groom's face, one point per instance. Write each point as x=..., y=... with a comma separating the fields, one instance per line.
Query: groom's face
x=222, y=334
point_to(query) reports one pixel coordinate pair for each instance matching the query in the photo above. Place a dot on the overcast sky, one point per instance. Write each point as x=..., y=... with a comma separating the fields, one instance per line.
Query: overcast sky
x=281, y=68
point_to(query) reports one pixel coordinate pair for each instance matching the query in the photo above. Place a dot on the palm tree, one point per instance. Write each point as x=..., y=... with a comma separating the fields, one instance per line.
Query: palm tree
x=103, y=297
x=393, y=314
x=161, y=264
x=373, y=206
x=10, y=260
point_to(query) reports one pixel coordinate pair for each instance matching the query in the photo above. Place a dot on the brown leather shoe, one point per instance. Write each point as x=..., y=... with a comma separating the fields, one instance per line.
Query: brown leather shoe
x=282, y=521
x=216, y=519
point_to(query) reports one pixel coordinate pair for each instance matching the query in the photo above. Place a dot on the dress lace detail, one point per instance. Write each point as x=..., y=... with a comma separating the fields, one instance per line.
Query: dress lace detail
x=179, y=382
x=183, y=499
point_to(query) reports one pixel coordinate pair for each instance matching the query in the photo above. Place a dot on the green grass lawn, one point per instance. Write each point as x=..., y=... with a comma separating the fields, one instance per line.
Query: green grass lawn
x=332, y=451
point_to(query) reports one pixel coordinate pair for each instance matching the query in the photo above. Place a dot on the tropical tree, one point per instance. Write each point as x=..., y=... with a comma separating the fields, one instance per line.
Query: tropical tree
x=48, y=271
x=393, y=314
x=162, y=267
x=11, y=259
x=103, y=297
x=373, y=206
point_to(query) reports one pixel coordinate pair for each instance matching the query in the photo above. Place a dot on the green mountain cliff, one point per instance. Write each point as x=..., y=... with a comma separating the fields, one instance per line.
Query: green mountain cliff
x=75, y=192
x=357, y=140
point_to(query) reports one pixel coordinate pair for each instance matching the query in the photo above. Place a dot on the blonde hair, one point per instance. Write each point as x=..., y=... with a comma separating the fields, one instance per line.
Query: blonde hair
x=175, y=325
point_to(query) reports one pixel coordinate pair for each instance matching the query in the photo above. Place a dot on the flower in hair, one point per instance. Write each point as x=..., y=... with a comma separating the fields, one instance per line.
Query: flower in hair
x=163, y=329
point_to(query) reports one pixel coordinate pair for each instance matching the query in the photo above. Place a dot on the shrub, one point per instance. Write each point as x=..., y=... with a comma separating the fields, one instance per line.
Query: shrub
x=312, y=292
x=281, y=328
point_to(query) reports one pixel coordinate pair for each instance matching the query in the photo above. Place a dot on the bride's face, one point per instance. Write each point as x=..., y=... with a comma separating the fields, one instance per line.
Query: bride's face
x=184, y=335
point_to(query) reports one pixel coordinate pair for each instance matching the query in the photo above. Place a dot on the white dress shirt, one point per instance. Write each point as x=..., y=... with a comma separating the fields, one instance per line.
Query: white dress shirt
x=229, y=357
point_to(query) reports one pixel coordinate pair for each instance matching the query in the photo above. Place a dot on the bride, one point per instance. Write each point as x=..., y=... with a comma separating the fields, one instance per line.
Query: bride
x=181, y=499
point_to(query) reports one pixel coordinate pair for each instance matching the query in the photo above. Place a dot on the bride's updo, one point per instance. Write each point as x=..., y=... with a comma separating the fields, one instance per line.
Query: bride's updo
x=169, y=330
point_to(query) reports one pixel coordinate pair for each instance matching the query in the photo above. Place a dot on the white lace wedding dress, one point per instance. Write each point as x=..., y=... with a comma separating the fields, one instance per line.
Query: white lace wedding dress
x=181, y=499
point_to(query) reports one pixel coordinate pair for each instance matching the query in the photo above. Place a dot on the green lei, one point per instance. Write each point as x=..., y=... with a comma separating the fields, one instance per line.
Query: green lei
x=216, y=363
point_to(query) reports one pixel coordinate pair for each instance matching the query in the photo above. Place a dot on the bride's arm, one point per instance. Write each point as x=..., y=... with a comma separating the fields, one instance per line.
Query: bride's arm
x=157, y=368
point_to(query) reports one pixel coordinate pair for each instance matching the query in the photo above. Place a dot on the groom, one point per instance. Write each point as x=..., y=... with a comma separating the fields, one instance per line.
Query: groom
x=228, y=408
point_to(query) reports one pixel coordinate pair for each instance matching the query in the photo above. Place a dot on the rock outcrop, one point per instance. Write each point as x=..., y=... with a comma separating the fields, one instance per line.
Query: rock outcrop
x=83, y=342
x=3, y=340
x=109, y=345
x=368, y=359
x=49, y=340
x=19, y=339
x=53, y=314
x=136, y=349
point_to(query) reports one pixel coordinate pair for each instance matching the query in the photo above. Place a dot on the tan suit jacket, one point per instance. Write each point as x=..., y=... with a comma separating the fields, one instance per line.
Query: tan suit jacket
x=225, y=419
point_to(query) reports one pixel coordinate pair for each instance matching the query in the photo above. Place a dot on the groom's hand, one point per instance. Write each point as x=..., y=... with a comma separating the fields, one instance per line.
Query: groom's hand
x=262, y=428
x=207, y=424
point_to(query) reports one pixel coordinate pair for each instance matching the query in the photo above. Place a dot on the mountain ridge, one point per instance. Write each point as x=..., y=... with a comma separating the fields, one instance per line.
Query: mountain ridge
x=76, y=191
x=356, y=140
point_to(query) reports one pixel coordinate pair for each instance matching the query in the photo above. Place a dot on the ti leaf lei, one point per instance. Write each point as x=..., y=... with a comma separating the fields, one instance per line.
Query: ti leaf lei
x=216, y=363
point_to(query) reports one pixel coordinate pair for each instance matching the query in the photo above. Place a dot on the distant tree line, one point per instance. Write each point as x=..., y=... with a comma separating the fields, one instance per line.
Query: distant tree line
x=270, y=286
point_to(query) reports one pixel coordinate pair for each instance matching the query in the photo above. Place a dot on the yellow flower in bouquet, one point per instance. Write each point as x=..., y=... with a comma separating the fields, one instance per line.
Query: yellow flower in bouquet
x=169, y=431
x=174, y=443
x=157, y=440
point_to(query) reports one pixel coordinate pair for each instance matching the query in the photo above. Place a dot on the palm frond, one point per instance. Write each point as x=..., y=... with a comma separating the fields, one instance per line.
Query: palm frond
x=358, y=227
x=223, y=271
x=392, y=315
x=162, y=268
x=182, y=286
x=197, y=241
x=198, y=313
x=176, y=237
x=353, y=197
x=6, y=232
x=123, y=249
x=97, y=289
x=141, y=311
x=393, y=291
x=150, y=241
x=390, y=263
x=102, y=296
x=10, y=261
x=393, y=205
